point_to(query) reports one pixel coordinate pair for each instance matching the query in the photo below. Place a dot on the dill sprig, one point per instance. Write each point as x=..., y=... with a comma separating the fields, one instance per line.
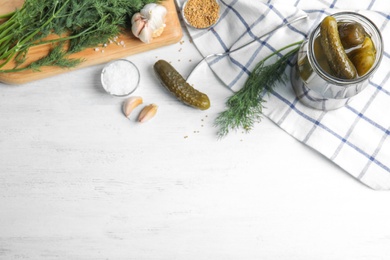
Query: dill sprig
x=84, y=24
x=58, y=57
x=245, y=107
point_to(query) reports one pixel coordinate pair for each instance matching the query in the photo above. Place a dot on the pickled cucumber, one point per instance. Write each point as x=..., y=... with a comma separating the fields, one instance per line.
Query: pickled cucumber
x=351, y=34
x=364, y=57
x=334, y=51
x=177, y=85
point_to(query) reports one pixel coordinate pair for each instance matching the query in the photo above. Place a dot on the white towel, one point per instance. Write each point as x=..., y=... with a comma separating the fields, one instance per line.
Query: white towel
x=355, y=137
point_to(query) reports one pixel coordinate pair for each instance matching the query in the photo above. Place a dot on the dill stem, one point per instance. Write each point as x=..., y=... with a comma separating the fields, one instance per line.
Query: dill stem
x=6, y=52
x=29, y=37
x=6, y=16
x=6, y=31
x=282, y=49
x=9, y=58
x=5, y=44
x=21, y=45
x=62, y=39
x=12, y=17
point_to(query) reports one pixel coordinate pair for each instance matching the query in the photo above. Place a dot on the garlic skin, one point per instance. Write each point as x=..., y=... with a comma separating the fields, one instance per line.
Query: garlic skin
x=147, y=113
x=137, y=23
x=149, y=22
x=155, y=14
x=145, y=34
x=130, y=104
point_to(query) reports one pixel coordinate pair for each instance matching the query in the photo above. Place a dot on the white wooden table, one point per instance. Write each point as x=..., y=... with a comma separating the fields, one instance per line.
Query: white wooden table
x=80, y=181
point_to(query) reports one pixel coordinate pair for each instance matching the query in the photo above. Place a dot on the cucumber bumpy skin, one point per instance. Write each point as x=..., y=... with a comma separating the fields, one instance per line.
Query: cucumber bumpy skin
x=334, y=51
x=177, y=85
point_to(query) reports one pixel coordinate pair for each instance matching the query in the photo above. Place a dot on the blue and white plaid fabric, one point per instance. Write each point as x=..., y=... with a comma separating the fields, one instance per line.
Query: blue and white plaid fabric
x=355, y=137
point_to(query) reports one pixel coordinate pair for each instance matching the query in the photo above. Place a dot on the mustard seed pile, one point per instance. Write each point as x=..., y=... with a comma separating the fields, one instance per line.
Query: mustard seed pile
x=201, y=13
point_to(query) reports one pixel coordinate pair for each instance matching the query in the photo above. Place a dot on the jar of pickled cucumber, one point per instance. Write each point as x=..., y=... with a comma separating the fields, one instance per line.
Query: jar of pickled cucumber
x=318, y=80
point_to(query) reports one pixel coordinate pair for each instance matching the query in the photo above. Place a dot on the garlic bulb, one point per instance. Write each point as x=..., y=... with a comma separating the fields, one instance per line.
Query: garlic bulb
x=149, y=22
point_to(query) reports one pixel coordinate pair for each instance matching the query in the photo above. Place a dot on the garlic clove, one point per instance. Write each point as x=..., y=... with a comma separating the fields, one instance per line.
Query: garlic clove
x=149, y=22
x=137, y=26
x=130, y=104
x=155, y=14
x=148, y=10
x=156, y=18
x=147, y=113
x=136, y=17
x=145, y=34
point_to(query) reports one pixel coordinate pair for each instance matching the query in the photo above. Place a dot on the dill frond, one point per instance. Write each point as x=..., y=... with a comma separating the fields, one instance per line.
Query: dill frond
x=86, y=24
x=57, y=57
x=245, y=107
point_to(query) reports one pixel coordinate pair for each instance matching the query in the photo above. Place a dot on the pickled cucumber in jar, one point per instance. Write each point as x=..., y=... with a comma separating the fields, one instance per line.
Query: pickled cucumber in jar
x=364, y=57
x=351, y=34
x=344, y=49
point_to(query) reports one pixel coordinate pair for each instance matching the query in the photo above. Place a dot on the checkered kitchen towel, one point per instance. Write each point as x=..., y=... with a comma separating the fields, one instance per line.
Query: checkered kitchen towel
x=355, y=137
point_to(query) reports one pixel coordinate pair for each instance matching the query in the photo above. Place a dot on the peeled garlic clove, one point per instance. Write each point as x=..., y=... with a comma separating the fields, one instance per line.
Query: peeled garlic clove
x=130, y=104
x=147, y=113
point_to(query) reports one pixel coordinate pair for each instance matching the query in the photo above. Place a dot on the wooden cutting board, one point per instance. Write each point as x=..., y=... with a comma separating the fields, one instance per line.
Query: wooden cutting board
x=124, y=46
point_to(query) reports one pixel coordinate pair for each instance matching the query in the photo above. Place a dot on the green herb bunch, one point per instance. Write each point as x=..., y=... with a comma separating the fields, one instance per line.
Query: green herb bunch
x=82, y=23
x=245, y=107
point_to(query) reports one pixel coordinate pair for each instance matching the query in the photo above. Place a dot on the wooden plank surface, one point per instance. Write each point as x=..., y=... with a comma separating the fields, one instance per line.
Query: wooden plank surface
x=125, y=45
x=8, y=6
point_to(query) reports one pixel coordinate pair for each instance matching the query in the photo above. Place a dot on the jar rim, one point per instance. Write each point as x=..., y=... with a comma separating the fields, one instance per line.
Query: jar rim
x=367, y=24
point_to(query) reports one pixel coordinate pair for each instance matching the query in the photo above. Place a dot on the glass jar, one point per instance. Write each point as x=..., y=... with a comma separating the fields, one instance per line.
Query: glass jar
x=318, y=89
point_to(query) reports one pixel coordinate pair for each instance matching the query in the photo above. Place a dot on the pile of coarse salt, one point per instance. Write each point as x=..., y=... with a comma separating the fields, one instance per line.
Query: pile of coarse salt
x=120, y=77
